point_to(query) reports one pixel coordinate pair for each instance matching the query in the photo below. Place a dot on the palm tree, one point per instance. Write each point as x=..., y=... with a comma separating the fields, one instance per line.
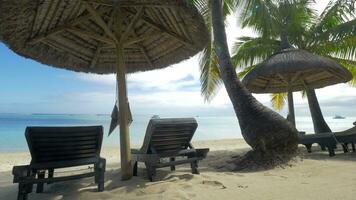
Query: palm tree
x=263, y=129
x=331, y=34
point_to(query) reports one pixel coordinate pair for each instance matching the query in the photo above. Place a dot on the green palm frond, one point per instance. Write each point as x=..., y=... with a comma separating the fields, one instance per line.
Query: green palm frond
x=344, y=48
x=249, y=51
x=210, y=77
x=245, y=70
x=335, y=13
x=278, y=100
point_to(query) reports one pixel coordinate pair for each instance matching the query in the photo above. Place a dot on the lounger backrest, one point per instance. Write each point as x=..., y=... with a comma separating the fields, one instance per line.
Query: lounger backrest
x=169, y=135
x=64, y=144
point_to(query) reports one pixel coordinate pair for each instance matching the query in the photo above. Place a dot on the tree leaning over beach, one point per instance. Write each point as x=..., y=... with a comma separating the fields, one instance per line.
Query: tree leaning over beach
x=267, y=132
x=332, y=34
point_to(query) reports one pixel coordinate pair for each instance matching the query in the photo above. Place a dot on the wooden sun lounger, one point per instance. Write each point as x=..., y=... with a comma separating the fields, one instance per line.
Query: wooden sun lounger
x=347, y=137
x=168, y=138
x=330, y=140
x=324, y=139
x=52, y=148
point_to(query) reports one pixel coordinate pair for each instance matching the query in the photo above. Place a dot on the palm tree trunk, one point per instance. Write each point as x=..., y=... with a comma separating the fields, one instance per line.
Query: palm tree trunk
x=320, y=126
x=263, y=129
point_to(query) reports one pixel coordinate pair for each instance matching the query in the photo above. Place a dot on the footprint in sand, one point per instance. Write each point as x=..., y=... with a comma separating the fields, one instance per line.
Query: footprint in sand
x=242, y=186
x=214, y=183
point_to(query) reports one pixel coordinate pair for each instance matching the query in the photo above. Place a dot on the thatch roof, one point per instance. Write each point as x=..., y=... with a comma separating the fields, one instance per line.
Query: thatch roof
x=66, y=33
x=294, y=70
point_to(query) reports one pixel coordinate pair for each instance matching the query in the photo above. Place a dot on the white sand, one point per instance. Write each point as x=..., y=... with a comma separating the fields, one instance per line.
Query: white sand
x=316, y=176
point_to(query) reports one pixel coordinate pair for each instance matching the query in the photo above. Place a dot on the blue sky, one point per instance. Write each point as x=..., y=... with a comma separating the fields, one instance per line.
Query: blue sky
x=27, y=86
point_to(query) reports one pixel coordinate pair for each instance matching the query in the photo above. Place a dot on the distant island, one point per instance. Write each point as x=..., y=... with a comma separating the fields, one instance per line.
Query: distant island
x=338, y=117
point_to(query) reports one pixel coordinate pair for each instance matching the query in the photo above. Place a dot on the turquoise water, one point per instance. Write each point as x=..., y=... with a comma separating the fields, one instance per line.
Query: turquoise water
x=12, y=127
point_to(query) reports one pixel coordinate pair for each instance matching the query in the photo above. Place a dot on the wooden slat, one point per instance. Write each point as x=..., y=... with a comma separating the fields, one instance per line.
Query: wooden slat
x=59, y=179
x=62, y=48
x=62, y=139
x=49, y=133
x=159, y=27
x=61, y=28
x=94, y=146
x=171, y=139
x=59, y=145
x=83, y=33
x=69, y=157
x=132, y=24
x=58, y=154
x=100, y=21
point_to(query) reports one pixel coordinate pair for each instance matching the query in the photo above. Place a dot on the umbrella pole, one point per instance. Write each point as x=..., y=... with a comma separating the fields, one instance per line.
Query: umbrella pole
x=291, y=108
x=125, y=151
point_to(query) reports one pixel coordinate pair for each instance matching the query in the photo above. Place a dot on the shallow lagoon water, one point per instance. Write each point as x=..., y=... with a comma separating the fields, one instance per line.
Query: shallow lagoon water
x=12, y=127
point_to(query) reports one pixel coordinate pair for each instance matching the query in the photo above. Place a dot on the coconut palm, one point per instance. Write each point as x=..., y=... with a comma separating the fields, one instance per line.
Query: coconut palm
x=263, y=129
x=278, y=23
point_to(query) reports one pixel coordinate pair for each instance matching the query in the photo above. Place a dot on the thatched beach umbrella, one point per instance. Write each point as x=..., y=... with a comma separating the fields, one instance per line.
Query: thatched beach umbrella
x=291, y=70
x=104, y=36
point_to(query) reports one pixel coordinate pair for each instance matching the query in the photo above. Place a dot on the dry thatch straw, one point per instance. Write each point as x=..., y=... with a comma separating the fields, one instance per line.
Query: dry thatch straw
x=64, y=34
x=294, y=70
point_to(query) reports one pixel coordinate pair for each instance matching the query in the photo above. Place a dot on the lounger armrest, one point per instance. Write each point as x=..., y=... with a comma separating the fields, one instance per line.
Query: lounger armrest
x=20, y=172
x=202, y=152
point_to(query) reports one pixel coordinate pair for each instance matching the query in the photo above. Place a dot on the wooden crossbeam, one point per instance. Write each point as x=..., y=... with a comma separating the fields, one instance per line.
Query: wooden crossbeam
x=143, y=50
x=60, y=47
x=135, y=40
x=132, y=24
x=127, y=3
x=99, y=20
x=61, y=28
x=95, y=58
x=162, y=29
x=296, y=76
x=282, y=78
x=90, y=35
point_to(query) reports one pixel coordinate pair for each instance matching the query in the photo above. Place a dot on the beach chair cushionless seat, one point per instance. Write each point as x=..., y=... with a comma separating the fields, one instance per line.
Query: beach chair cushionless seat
x=52, y=148
x=347, y=137
x=165, y=139
x=323, y=139
x=330, y=140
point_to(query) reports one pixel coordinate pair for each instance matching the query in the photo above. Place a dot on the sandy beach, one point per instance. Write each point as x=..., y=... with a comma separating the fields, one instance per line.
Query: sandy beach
x=309, y=176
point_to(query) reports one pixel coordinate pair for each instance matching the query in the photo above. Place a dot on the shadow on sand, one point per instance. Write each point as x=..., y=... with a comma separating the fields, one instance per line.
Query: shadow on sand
x=215, y=162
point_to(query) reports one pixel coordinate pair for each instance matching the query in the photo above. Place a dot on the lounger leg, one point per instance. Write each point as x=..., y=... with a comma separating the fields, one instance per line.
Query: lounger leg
x=41, y=175
x=308, y=146
x=194, y=166
x=345, y=147
x=323, y=148
x=100, y=174
x=50, y=174
x=151, y=172
x=23, y=191
x=173, y=167
x=134, y=169
x=331, y=151
x=353, y=147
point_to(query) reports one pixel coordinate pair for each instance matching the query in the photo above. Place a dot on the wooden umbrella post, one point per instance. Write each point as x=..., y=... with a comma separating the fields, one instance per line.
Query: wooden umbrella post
x=125, y=151
x=291, y=117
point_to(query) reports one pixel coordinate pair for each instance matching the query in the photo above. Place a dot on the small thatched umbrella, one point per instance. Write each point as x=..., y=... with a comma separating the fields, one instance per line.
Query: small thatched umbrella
x=291, y=70
x=104, y=36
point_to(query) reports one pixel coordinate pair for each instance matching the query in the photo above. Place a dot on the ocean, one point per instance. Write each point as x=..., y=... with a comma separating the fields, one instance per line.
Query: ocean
x=12, y=127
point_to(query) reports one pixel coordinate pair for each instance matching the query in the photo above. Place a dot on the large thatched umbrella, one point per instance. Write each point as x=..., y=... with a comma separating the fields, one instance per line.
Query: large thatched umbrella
x=104, y=36
x=292, y=70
